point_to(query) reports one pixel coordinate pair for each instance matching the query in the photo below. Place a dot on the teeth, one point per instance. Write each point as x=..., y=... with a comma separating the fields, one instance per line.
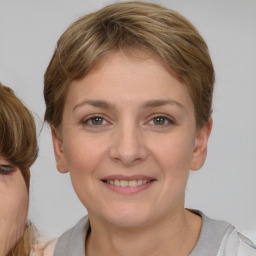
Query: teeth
x=140, y=182
x=117, y=183
x=133, y=183
x=126, y=183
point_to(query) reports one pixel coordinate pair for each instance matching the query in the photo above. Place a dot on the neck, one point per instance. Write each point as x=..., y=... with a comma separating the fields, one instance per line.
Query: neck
x=175, y=235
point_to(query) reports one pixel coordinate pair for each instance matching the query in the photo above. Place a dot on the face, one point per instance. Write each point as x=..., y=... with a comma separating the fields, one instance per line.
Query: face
x=13, y=205
x=129, y=139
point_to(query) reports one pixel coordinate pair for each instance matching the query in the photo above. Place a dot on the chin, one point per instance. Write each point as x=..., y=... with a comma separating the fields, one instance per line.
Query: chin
x=130, y=217
x=128, y=222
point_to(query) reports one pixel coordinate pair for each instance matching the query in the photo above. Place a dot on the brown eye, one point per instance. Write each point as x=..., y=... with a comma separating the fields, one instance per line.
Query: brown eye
x=5, y=169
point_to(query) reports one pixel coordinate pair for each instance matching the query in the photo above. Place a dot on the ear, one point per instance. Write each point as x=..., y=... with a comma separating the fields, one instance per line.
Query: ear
x=200, y=150
x=59, y=153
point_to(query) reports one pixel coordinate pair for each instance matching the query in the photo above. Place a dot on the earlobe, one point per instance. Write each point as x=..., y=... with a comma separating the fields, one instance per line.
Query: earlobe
x=200, y=150
x=58, y=151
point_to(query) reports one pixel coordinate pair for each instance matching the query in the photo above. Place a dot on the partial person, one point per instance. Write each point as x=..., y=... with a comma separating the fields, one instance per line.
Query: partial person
x=128, y=97
x=18, y=151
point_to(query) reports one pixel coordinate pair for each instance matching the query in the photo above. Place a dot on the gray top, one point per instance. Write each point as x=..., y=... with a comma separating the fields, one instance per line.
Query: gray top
x=217, y=238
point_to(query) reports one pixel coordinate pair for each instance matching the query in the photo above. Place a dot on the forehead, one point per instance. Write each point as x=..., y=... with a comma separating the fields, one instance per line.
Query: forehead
x=3, y=160
x=127, y=82
x=136, y=70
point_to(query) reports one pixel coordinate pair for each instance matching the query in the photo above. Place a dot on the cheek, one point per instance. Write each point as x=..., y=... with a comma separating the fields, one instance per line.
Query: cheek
x=83, y=153
x=174, y=159
x=175, y=155
x=14, y=199
x=13, y=215
x=84, y=156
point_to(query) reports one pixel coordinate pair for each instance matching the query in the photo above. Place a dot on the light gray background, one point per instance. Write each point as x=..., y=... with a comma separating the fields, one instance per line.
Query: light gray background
x=225, y=187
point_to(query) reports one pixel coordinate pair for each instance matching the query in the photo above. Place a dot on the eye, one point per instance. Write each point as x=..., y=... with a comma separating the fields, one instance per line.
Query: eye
x=6, y=169
x=161, y=121
x=94, y=121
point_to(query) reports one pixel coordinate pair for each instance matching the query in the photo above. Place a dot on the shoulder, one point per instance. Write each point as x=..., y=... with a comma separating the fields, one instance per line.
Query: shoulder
x=246, y=246
x=222, y=239
x=234, y=243
x=79, y=230
x=72, y=241
x=43, y=247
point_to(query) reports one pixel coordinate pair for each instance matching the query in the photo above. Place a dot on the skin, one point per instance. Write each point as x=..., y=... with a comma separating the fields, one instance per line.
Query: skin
x=13, y=205
x=129, y=116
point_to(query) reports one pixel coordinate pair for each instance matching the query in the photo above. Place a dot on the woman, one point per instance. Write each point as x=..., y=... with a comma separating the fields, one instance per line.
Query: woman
x=18, y=151
x=128, y=96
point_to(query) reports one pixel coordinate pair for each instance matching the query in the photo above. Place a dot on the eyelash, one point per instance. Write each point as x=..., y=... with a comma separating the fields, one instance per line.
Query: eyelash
x=6, y=169
x=165, y=118
x=88, y=121
x=90, y=118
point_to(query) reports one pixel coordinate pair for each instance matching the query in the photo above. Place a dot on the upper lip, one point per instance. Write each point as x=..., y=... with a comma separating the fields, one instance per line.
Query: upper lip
x=128, y=178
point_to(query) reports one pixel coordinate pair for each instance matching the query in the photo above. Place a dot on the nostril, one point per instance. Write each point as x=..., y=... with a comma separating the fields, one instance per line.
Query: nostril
x=128, y=149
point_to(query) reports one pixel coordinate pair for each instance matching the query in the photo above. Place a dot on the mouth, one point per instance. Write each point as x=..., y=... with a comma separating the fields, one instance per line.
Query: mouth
x=128, y=184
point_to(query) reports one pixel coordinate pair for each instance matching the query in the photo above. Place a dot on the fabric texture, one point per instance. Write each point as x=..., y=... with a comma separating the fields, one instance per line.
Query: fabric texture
x=217, y=238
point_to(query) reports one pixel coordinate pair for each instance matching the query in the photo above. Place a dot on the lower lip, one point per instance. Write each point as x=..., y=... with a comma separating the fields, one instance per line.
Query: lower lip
x=129, y=190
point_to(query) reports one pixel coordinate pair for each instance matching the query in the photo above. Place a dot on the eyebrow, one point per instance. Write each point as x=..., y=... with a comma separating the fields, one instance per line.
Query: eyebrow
x=149, y=104
x=94, y=103
x=159, y=103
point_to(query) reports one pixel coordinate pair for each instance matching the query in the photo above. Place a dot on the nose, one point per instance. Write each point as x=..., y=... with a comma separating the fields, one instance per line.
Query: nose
x=128, y=146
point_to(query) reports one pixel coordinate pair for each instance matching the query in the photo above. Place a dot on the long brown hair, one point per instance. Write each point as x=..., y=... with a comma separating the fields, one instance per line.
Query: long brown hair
x=18, y=145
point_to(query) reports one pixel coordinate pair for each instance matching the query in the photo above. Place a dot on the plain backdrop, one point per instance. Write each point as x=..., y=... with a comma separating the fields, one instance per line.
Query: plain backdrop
x=225, y=187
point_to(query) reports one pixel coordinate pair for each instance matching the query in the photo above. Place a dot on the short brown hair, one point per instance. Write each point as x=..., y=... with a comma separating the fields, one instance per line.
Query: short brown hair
x=129, y=25
x=18, y=140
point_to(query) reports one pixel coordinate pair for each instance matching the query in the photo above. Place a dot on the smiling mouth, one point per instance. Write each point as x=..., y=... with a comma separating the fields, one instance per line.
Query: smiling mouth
x=127, y=183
